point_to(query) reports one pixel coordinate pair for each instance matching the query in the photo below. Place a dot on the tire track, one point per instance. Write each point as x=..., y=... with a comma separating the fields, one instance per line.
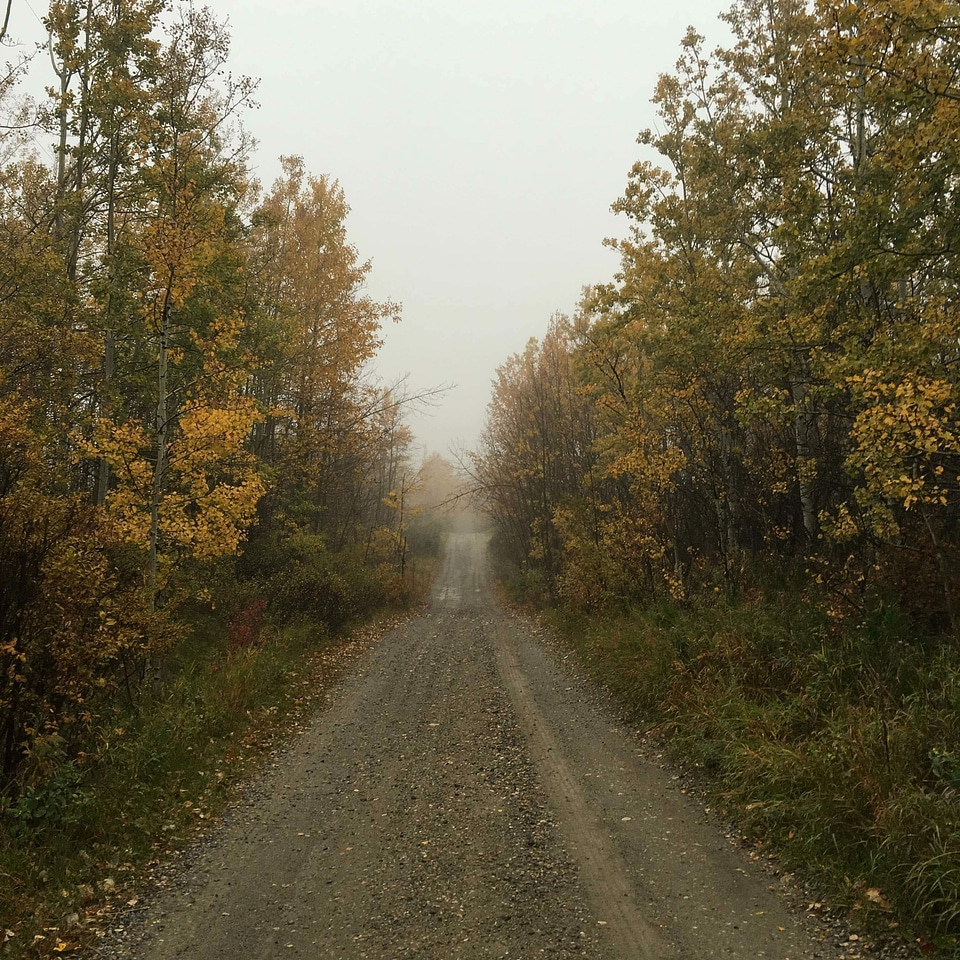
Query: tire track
x=629, y=934
x=456, y=801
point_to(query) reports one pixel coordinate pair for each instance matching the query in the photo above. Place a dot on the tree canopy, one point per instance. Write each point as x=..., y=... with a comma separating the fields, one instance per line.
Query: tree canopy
x=772, y=375
x=183, y=363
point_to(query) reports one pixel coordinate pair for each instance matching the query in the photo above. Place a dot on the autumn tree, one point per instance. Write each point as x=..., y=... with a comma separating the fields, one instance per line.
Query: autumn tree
x=534, y=453
x=771, y=369
x=442, y=501
x=73, y=624
x=172, y=345
x=107, y=60
x=317, y=330
x=899, y=68
x=184, y=485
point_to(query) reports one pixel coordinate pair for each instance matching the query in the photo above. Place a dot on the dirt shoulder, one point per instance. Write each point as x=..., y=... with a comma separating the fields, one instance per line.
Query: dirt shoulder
x=461, y=796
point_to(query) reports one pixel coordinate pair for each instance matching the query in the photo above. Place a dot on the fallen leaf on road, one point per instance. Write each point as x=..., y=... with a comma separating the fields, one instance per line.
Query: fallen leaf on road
x=875, y=895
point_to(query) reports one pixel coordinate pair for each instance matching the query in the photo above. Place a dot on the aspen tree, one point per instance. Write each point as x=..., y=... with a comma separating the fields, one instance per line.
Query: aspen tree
x=318, y=330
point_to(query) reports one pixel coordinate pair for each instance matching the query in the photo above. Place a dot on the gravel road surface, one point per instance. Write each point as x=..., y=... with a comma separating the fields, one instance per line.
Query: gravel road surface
x=462, y=795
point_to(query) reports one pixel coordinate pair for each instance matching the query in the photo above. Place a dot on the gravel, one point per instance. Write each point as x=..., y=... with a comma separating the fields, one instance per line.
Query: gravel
x=465, y=794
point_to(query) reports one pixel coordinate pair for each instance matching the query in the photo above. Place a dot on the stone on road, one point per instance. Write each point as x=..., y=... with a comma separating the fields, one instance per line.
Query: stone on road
x=461, y=796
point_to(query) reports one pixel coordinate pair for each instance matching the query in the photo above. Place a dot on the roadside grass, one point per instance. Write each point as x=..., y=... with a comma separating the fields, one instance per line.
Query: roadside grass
x=835, y=745
x=75, y=845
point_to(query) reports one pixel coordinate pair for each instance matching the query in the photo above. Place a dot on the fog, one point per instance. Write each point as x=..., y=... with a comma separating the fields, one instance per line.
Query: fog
x=479, y=145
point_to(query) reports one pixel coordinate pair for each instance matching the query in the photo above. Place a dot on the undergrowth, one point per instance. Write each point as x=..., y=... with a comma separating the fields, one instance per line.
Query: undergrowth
x=76, y=837
x=836, y=744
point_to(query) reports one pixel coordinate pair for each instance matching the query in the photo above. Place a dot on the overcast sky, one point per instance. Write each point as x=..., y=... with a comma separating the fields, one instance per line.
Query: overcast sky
x=480, y=144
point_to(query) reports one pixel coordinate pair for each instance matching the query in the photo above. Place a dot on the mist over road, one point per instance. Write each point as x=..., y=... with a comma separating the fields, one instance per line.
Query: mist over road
x=462, y=795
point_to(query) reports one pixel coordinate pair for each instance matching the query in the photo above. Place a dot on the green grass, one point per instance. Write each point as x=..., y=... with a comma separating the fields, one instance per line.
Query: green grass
x=838, y=746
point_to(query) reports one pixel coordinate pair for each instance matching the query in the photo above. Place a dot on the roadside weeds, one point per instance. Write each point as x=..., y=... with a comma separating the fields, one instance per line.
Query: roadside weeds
x=164, y=777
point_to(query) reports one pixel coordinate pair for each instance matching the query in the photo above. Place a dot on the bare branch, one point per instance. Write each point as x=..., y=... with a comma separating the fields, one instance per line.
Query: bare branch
x=6, y=21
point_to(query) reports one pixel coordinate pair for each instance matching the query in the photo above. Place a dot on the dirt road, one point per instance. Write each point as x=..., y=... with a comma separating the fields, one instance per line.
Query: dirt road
x=462, y=796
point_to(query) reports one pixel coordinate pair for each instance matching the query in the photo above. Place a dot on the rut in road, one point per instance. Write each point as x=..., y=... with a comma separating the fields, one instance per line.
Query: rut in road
x=460, y=797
